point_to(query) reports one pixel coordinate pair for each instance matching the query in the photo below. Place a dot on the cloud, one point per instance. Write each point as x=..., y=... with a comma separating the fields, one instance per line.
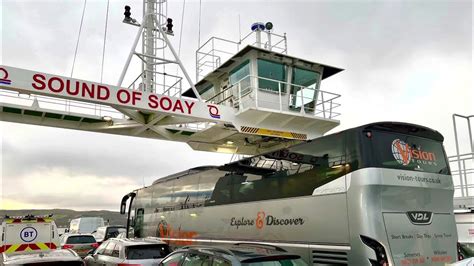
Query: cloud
x=404, y=61
x=56, y=188
x=95, y=154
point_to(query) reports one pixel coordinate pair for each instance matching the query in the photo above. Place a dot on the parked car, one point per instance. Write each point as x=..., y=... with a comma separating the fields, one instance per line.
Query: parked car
x=128, y=251
x=51, y=257
x=80, y=243
x=105, y=232
x=464, y=262
x=234, y=255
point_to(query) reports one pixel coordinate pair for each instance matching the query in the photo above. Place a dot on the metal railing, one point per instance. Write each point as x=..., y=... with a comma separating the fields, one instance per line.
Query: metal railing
x=62, y=105
x=279, y=96
x=81, y=108
x=462, y=165
x=215, y=51
x=462, y=171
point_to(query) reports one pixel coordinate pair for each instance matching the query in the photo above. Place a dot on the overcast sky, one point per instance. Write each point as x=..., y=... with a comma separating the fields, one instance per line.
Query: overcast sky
x=407, y=61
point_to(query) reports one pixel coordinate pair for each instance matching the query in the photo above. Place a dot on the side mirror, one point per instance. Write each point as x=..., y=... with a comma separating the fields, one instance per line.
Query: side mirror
x=91, y=252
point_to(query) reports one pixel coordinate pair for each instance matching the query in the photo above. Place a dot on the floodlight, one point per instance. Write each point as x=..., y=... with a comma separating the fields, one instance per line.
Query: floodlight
x=169, y=26
x=127, y=13
x=268, y=26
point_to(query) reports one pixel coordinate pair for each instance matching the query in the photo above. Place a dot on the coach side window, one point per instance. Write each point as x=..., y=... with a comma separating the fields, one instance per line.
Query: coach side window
x=324, y=160
x=162, y=193
x=353, y=152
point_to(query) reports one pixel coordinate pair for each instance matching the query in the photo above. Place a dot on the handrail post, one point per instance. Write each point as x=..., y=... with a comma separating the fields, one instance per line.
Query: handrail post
x=458, y=157
x=465, y=177
x=279, y=95
x=302, y=100
x=330, y=109
x=323, y=103
x=239, y=90
x=256, y=93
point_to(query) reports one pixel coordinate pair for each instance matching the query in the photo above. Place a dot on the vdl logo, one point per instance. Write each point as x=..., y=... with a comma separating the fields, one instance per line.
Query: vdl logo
x=401, y=151
x=28, y=234
x=420, y=217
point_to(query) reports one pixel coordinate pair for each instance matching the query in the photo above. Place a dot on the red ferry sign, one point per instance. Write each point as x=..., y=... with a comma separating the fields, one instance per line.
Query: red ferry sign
x=32, y=82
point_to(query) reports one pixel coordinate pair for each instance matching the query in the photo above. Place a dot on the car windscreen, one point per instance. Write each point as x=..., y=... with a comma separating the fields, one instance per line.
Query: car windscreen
x=275, y=261
x=407, y=152
x=114, y=231
x=80, y=240
x=143, y=252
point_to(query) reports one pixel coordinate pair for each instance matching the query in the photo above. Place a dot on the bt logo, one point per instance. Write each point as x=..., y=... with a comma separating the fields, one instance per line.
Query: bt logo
x=28, y=234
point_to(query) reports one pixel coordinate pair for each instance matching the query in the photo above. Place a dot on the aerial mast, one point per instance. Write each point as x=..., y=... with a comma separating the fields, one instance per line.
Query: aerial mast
x=155, y=28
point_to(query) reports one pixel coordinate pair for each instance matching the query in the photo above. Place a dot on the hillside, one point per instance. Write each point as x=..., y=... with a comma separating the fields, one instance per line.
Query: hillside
x=63, y=216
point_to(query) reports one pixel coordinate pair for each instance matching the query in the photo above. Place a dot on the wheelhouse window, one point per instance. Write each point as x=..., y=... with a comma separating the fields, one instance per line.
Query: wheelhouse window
x=239, y=78
x=304, y=88
x=207, y=91
x=272, y=75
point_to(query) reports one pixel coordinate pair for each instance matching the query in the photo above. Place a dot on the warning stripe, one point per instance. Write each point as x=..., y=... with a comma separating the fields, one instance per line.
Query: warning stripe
x=18, y=220
x=251, y=130
x=299, y=136
x=273, y=133
x=26, y=247
x=3, y=248
x=43, y=246
x=51, y=245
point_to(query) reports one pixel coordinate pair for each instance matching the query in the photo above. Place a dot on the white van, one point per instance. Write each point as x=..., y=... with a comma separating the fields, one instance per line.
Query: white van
x=23, y=234
x=85, y=225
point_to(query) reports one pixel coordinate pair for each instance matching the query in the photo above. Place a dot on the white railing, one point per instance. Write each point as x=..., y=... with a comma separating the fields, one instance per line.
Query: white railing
x=280, y=97
x=62, y=105
x=462, y=171
x=81, y=108
x=197, y=126
x=462, y=164
x=216, y=51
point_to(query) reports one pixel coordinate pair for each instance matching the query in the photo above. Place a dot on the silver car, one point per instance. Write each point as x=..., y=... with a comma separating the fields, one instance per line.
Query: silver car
x=80, y=243
x=128, y=251
x=232, y=255
x=51, y=257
